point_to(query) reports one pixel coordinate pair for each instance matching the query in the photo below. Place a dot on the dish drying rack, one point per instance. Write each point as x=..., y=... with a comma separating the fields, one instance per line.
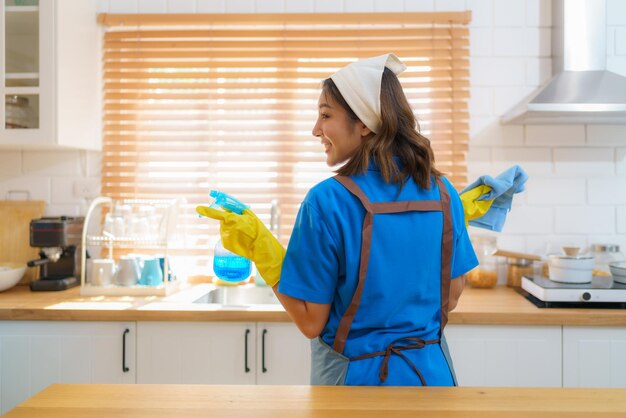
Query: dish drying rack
x=149, y=238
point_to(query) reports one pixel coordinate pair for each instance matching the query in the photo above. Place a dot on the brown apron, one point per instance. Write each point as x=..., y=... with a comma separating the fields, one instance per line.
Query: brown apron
x=329, y=365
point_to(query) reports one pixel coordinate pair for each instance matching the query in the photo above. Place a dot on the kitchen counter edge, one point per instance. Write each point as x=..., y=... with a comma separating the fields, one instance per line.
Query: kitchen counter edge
x=497, y=306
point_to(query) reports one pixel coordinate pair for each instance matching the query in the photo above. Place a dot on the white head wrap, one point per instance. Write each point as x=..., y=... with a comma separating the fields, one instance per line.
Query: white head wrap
x=359, y=84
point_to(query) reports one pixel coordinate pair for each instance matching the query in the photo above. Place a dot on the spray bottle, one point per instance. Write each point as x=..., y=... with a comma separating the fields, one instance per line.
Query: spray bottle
x=227, y=265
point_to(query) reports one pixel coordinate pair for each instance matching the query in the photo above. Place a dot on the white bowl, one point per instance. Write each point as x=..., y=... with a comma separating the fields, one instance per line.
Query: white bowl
x=562, y=275
x=10, y=274
x=618, y=271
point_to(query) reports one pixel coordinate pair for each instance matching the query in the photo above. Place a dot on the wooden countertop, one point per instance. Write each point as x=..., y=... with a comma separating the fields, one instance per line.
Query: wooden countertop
x=156, y=401
x=497, y=306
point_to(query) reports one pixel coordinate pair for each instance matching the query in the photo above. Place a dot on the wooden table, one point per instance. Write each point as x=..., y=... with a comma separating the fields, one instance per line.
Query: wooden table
x=181, y=401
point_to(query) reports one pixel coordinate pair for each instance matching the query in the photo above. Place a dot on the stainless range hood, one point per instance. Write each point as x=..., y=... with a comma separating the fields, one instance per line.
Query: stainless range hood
x=581, y=90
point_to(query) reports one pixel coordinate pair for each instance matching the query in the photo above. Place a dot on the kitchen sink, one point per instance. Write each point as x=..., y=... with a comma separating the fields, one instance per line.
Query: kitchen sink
x=244, y=295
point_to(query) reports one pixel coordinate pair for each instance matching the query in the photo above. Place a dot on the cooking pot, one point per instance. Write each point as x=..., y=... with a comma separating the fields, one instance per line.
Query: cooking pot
x=571, y=269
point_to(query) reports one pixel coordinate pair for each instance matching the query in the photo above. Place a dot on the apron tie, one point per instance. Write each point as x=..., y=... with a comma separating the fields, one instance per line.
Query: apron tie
x=393, y=347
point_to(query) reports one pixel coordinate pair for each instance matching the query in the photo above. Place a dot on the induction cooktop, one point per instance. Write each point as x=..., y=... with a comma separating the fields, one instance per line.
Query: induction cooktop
x=602, y=292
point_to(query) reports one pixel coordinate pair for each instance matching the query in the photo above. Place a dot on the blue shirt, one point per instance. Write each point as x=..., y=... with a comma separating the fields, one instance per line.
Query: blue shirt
x=402, y=292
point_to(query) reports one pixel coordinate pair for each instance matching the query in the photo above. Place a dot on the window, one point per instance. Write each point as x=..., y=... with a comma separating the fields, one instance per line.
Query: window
x=228, y=101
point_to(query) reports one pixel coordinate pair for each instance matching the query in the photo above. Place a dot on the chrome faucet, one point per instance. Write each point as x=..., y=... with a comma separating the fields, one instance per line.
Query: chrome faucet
x=275, y=219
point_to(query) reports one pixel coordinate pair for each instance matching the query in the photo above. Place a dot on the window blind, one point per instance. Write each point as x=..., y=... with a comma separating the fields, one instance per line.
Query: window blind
x=194, y=102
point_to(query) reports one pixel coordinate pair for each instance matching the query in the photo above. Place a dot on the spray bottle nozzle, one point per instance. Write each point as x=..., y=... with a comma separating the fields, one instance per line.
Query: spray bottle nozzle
x=225, y=201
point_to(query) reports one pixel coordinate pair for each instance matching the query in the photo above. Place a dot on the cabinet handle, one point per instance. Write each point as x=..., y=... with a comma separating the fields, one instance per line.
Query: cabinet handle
x=246, y=368
x=124, y=368
x=263, y=351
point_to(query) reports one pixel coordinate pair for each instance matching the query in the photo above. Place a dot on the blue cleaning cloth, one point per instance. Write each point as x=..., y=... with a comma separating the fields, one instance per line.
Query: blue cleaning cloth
x=503, y=187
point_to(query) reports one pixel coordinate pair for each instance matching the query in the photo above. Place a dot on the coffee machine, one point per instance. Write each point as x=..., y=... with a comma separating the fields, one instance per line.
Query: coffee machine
x=59, y=240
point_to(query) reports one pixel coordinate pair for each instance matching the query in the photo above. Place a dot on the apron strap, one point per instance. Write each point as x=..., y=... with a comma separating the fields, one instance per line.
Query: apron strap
x=446, y=254
x=442, y=205
x=366, y=242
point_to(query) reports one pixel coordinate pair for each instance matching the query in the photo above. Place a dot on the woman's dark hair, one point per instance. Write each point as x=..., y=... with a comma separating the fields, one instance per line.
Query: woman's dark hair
x=398, y=136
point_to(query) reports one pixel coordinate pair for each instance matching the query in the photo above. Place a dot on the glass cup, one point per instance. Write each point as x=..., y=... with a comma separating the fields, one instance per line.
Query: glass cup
x=151, y=273
x=128, y=272
x=102, y=272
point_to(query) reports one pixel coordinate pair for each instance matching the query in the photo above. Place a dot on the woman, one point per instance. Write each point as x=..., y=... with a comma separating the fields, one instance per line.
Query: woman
x=377, y=255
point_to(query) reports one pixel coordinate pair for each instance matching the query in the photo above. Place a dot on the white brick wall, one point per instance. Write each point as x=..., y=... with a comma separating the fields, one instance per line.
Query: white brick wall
x=555, y=135
x=576, y=194
x=584, y=162
x=49, y=176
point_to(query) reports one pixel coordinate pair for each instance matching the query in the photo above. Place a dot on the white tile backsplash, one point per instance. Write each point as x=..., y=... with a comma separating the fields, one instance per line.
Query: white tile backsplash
x=482, y=13
x=584, y=162
x=529, y=220
x=555, y=135
x=479, y=158
x=537, y=42
x=495, y=134
x=358, y=6
x=102, y=6
x=620, y=41
x=480, y=124
x=606, y=191
x=616, y=12
x=510, y=13
x=123, y=6
x=152, y=6
x=182, y=6
x=67, y=210
x=63, y=191
x=481, y=101
x=548, y=191
x=505, y=98
x=51, y=163
x=299, y=6
x=91, y=163
x=535, y=161
x=328, y=6
x=239, y=6
x=584, y=219
x=606, y=134
x=617, y=64
x=38, y=187
x=213, y=6
x=538, y=71
x=621, y=222
x=538, y=13
x=388, y=5
x=510, y=42
x=419, y=5
x=10, y=165
x=510, y=242
x=481, y=42
x=497, y=72
x=620, y=160
x=450, y=5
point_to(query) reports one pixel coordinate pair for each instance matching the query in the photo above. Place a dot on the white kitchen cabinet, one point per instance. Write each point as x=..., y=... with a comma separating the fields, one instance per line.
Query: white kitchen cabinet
x=50, y=72
x=196, y=352
x=221, y=353
x=35, y=354
x=501, y=355
x=594, y=357
x=283, y=355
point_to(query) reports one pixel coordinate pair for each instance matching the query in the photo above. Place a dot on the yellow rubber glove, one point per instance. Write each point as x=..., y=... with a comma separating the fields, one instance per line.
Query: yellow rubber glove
x=247, y=236
x=473, y=207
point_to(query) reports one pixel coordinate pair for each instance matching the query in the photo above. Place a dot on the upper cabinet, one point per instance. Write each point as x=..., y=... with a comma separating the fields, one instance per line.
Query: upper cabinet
x=50, y=72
